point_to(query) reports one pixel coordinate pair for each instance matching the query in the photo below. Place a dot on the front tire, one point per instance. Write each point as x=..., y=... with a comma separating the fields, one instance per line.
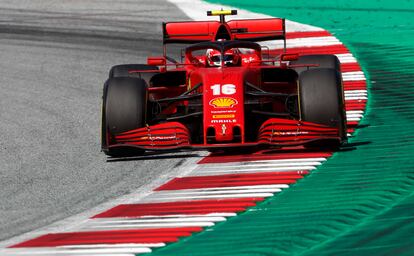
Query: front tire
x=124, y=109
x=321, y=99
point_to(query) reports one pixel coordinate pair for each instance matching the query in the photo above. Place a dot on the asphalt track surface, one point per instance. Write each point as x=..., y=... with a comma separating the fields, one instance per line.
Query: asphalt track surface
x=55, y=56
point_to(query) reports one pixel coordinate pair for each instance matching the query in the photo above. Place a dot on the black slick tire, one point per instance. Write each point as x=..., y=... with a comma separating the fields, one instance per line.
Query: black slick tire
x=321, y=99
x=124, y=109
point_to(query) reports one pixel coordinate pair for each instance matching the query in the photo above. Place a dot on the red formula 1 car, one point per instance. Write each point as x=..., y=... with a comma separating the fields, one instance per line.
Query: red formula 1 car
x=227, y=91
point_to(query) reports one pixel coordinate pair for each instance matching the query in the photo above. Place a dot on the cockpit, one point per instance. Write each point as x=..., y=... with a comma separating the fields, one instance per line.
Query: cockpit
x=223, y=53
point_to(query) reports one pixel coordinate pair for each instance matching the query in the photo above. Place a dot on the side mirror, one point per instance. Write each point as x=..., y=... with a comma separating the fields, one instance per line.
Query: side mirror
x=156, y=61
x=289, y=57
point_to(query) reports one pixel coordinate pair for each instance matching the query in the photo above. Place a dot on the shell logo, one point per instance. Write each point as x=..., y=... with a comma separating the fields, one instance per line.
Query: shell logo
x=223, y=102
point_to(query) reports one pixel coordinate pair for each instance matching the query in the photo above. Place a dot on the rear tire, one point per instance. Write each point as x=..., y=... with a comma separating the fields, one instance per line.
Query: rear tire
x=322, y=60
x=124, y=109
x=321, y=99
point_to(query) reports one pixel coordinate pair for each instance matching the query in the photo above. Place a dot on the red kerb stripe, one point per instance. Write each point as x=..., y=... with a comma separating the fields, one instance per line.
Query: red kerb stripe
x=350, y=67
x=355, y=85
x=110, y=237
x=183, y=207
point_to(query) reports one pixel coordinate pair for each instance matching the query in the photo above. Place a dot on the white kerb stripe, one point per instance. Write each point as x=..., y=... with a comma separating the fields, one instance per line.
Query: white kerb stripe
x=356, y=98
x=353, y=78
x=289, y=160
x=219, y=192
x=145, y=226
x=56, y=251
x=178, y=198
x=237, y=187
x=353, y=119
x=129, y=245
x=346, y=58
x=356, y=91
x=12, y=252
x=353, y=73
x=254, y=170
x=355, y=95
x=354, y=112
x=222, y=214
x=218, y=166
x=354, y=115
x=358, y=95
x=350, y=93
x=158, y=220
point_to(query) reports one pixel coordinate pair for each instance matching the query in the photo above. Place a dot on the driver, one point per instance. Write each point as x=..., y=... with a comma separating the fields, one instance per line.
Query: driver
x=231, y=57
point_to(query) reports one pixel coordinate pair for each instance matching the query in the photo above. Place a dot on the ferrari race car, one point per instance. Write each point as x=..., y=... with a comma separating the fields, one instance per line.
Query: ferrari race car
x=226, y=91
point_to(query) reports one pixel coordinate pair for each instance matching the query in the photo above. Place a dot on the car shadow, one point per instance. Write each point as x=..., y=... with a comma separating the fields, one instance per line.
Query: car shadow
x=153, y=156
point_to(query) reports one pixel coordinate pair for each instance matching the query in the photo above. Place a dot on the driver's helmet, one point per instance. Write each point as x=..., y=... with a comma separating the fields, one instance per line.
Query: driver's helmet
x=231, y=57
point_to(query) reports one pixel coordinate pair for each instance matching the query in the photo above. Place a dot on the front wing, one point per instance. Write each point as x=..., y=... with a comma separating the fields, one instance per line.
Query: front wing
x=275, y=132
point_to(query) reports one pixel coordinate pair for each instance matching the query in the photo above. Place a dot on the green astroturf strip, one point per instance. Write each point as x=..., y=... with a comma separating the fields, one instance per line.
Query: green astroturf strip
x=361, y=201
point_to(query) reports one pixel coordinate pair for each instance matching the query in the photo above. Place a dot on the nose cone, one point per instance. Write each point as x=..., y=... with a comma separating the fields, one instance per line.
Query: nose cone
x=223, y=99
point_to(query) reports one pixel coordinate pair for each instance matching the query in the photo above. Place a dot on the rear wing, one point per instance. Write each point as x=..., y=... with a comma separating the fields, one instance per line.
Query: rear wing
x=258, y=29
x=200, y=31
x=189, y=31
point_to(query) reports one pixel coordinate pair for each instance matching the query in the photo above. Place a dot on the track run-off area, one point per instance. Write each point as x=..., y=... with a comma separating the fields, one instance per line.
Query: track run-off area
x=349, y=202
